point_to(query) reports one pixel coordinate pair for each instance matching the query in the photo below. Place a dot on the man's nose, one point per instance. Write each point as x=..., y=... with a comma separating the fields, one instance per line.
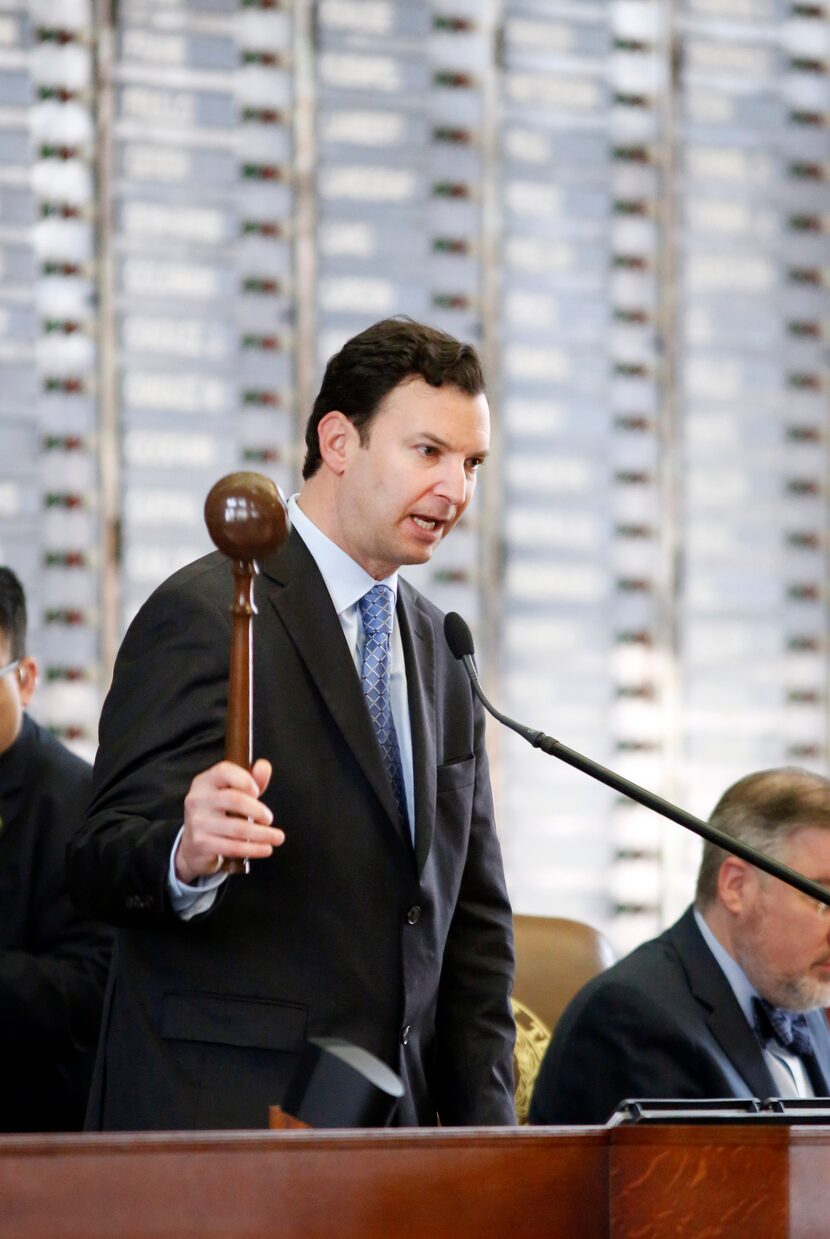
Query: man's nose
x=453, y=483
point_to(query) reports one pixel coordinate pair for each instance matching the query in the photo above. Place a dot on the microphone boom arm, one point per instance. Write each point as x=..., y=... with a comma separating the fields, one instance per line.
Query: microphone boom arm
x=640, y=794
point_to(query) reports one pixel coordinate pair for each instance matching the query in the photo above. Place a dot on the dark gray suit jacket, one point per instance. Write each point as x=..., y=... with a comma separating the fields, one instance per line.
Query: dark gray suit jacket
x=663, y=1022
x=346, y=930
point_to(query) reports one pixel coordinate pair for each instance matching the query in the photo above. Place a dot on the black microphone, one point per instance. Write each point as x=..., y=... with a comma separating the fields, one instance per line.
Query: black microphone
x=460, y=640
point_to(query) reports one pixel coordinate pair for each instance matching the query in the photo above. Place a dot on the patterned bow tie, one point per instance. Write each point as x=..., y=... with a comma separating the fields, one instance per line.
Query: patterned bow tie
x=788, y=1028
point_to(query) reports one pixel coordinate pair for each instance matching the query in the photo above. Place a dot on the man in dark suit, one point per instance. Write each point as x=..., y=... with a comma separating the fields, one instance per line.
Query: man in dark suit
x=53, y=962
x=375, y=909
x=688, y=1015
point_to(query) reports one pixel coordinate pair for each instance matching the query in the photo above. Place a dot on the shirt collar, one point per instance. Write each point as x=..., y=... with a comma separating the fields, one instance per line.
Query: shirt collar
x=344, y=578
x=742, y=987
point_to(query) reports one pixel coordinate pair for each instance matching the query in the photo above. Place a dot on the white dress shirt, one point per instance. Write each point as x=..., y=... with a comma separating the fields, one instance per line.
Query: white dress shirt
x=346, y=582
x=786, y=1069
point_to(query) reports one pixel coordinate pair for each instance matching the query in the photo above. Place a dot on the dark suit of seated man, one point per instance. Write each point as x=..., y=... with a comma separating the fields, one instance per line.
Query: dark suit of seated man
x=677, y=1017
x=53, y=961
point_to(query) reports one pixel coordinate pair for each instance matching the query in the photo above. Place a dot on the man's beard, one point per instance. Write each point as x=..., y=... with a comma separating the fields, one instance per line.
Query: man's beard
x=795, y=993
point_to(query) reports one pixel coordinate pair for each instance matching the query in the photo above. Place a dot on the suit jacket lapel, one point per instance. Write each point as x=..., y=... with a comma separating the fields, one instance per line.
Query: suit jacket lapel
x=818, y=1067
x=419, y=656
x=725, y=1018
x=305, y=608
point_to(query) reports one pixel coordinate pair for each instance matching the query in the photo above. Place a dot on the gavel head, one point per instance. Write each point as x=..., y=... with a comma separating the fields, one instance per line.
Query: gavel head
x=246, y=516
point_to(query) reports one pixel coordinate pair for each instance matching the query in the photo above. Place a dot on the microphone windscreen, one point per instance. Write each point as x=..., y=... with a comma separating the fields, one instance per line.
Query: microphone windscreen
x=458, y=635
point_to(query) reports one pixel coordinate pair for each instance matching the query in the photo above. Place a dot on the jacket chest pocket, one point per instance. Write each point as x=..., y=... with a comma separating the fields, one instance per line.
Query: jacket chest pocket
x=229, y=1019
x=455, y=775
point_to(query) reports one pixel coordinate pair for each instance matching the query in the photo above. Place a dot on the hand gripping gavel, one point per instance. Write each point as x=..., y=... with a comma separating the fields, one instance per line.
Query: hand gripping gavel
x=246, y=518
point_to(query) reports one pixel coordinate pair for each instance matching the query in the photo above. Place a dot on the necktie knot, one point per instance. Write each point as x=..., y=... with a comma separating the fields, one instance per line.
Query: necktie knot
x=788, y=1028
x=376, y=610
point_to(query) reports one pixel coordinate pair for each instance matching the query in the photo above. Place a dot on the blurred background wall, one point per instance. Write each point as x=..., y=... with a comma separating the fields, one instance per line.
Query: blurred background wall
x=625, y=204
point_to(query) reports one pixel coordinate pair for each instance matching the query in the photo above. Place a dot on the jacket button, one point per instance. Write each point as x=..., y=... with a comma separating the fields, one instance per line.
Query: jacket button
x=405, y=1035
x=413, y=916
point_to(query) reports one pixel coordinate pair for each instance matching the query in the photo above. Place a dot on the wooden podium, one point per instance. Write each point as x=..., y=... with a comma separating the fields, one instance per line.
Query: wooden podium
x=531, y=1183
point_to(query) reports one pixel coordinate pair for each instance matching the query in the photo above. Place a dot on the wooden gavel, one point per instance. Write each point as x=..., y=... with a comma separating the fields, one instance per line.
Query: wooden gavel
x=246, y=518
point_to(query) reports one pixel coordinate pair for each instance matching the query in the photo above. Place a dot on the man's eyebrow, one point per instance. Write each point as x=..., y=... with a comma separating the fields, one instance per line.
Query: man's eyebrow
x=439, y=442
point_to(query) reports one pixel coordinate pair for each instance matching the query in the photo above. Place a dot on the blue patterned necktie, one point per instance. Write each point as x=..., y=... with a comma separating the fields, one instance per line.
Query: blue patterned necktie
x=788, y=1028
x=376, y=610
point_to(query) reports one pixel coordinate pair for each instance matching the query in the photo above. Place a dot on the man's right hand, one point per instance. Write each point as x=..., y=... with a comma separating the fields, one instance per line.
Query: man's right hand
x=224, y=817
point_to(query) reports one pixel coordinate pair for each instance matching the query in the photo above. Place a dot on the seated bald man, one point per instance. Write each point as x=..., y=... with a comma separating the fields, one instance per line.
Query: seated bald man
x=728, y=1001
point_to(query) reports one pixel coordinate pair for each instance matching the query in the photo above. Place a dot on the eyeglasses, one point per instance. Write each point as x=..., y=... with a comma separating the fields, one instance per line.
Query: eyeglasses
x=820, y=909
x=9, y=668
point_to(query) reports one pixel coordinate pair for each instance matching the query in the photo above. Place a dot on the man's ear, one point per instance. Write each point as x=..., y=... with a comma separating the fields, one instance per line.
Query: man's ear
x=336, y=436
x=737, y=882
x=27, y=678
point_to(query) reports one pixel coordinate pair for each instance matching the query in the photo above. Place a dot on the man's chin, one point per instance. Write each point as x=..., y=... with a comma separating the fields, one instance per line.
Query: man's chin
x=820, y=994
x=418, y=555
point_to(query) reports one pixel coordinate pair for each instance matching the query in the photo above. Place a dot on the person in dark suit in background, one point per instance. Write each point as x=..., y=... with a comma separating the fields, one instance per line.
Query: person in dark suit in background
x=53, y=962
x=727, y=1002
x=375, y=909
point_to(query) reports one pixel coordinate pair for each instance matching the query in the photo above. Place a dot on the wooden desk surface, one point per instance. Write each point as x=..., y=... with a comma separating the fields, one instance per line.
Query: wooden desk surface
x=458, y=1184
x=531, y=1183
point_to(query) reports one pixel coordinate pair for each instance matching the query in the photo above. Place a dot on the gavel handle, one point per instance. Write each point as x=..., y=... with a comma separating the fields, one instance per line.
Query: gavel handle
x=238, y=725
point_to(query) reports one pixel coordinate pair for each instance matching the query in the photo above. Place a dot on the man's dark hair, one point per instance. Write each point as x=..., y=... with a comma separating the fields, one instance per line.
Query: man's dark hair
x=13, y=612
x=371, y=364
x=764, y=810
